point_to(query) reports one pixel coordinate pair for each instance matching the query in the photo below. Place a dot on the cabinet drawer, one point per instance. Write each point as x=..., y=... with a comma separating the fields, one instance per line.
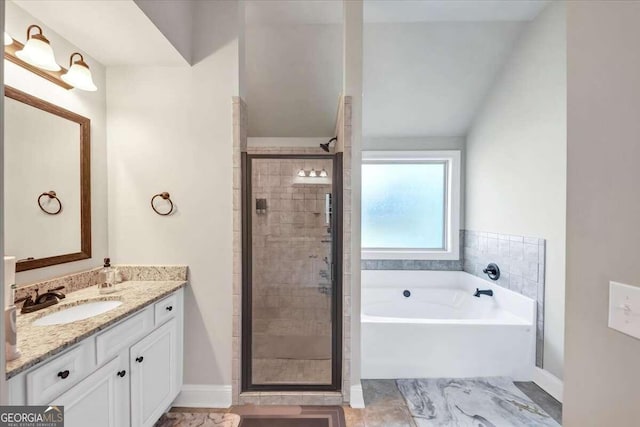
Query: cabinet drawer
x=166, y=309
x=60, y=374
x=121, y=336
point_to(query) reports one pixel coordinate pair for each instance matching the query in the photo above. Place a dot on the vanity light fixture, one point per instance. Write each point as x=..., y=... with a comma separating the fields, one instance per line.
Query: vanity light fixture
x=323, y=173
x=301, y=172
x=37, y=51
x=7, y=39
x=79, y=75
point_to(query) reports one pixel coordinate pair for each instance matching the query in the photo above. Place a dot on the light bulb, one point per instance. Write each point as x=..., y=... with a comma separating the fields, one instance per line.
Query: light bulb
x=301, y=172
x=323, y=173
x=313, y=173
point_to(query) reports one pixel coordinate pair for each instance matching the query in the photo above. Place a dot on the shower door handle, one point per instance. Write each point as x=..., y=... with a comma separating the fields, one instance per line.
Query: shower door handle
x=327, y=208
x=331, y=274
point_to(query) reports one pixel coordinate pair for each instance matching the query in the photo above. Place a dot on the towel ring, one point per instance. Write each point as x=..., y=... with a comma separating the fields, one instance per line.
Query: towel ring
x=164, y=196
x=51, y=195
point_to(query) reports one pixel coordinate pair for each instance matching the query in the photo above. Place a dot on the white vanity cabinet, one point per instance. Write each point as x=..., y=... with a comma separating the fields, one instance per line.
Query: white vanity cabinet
x=100, y=400
x=154, y=374
x=125, y=376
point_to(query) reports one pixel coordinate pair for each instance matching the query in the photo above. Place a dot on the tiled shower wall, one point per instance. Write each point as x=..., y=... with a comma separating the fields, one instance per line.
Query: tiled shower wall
x=240, y=125
x=291, y=282
x=521, y=261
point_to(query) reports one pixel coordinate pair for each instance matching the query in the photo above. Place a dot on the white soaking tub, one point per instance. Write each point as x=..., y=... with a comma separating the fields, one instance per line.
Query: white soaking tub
x=441, y=330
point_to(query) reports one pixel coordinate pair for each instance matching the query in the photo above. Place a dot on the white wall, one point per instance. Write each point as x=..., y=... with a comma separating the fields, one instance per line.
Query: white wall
x=414, y=143
x=352, y=86
x=293, y=79
x=170, y=129
x=516, y=160
x=602, y=374
x=88, y=104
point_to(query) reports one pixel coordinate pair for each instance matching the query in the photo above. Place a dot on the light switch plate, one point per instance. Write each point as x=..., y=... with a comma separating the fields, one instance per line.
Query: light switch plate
x=624, y=308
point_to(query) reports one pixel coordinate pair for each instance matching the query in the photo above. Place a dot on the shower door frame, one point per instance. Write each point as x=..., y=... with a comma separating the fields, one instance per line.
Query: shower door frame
x=336, y=255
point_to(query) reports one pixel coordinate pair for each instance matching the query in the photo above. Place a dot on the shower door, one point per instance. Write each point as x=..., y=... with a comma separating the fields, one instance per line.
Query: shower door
x=291, y=287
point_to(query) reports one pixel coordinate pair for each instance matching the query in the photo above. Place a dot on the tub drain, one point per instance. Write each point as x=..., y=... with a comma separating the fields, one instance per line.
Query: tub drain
x=406, y=293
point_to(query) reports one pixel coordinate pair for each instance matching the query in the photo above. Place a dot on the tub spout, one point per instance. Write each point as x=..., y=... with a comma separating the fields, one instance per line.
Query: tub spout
x=479, y=292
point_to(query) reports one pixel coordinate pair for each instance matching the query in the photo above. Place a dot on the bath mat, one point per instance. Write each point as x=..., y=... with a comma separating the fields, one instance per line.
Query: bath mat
x=492, y=401
x=292, y=347
x=290, y=416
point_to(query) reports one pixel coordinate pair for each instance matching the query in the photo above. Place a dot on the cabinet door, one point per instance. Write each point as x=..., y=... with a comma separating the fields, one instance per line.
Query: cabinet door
x=100, y=400
x=154, y=375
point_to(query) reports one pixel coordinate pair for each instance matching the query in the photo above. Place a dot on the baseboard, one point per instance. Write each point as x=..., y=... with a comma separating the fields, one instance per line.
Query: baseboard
x=204, y=396
x=356, y=398
x=549, y=383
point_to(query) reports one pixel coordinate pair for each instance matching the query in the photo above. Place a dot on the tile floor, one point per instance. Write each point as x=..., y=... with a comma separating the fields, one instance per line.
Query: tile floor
x=385, y=407
x=291, y=371
x=492, y=401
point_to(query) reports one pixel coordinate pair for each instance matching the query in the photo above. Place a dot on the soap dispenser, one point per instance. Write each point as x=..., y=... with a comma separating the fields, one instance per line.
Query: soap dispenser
x=107, y=278
x=10, y=330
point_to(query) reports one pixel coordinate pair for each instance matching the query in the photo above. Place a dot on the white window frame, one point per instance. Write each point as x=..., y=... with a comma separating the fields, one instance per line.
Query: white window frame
x=451, y=158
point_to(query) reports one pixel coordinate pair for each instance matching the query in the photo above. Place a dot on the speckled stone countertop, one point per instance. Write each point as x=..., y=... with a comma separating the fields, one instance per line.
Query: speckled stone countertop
x=37, y=343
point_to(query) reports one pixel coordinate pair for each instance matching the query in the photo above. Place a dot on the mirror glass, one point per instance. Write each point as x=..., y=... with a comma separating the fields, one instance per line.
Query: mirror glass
x=43, y=187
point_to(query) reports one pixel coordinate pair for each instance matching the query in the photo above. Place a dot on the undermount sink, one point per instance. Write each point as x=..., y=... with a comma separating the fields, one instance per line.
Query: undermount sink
x=77, y=312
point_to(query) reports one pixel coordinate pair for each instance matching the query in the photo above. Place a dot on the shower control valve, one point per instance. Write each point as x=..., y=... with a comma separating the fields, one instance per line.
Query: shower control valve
x=492, y=271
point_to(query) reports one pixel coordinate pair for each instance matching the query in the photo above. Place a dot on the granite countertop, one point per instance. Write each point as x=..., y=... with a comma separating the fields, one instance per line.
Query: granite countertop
x=37, y=343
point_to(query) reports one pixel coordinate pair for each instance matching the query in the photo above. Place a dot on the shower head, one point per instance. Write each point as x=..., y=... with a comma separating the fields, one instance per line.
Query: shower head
x=325, y=146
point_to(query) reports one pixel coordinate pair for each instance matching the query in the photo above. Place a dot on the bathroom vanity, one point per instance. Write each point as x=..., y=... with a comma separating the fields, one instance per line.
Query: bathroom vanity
x=112, y=360
x=119, y=368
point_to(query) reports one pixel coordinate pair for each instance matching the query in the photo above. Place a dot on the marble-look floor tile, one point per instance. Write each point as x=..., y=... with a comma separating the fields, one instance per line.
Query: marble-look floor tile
x=550, y=405
x=490, y=402
x=381, y=393
x=200, y=419
x=388, y=416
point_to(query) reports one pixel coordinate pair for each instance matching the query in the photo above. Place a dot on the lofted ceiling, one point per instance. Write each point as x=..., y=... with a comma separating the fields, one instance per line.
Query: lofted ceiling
x=269, y=12
x=430, y=78
x=428, y=65
x=378, y=11
x=293, y=67
x=113, y=32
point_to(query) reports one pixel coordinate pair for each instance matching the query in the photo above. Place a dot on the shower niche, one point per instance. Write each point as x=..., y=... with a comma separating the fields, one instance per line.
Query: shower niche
x=291, y=308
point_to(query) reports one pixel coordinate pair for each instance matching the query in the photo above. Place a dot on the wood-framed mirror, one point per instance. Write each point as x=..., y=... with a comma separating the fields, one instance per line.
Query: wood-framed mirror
x=47, y=182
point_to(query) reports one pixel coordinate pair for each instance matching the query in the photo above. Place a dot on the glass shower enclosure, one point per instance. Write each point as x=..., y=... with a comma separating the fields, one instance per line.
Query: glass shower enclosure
x=291, y=263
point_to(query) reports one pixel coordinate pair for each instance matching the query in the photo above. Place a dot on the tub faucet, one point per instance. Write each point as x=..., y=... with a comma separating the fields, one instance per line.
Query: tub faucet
x=479, y=292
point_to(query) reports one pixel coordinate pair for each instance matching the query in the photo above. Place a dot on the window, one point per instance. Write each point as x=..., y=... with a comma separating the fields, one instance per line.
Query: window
x=410, y=205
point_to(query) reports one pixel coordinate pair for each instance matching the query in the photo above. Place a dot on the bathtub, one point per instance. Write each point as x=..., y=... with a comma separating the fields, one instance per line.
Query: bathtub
x=441, y=329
